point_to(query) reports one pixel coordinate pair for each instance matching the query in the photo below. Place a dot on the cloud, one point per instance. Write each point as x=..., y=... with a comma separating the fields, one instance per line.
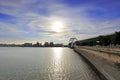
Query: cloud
x=5, y=28
x=34, y=19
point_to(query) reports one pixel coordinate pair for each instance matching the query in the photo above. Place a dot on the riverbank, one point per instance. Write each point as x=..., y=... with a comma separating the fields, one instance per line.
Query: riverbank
x=105, y=63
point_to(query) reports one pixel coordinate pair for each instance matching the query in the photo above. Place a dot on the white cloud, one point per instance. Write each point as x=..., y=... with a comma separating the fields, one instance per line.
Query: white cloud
x=77, y=23
x=5, y=28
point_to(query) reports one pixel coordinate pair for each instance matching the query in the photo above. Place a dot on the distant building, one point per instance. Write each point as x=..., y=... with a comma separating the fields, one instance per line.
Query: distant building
x=46, y=44
x=37, y=44
x=27, y=45
x=51, y=44
x=58, y=45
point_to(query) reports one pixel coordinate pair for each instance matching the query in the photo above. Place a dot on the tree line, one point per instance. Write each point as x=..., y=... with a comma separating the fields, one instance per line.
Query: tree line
x=102, y=40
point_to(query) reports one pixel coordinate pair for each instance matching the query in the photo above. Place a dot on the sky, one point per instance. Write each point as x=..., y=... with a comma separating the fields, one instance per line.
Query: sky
x=57, y=20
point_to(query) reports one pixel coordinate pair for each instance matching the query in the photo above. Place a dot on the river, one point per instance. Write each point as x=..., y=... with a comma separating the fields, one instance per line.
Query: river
x=17, y=63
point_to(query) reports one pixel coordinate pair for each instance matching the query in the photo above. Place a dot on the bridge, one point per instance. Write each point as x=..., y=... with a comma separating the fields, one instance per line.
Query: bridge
x=72, y=42
x=61, y=63
x=105, y=61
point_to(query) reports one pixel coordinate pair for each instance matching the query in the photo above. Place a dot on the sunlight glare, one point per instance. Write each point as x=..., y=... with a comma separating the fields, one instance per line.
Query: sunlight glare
x=58, y=52
x=57, y=26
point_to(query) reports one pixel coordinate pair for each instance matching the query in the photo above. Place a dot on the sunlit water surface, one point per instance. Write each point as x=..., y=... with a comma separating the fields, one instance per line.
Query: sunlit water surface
x=43, y=64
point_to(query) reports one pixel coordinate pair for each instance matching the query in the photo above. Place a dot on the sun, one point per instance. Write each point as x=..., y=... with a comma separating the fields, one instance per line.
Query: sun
x=57, y=26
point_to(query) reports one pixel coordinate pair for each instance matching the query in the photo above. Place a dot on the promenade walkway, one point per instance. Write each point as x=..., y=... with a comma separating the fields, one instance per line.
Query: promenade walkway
x=107, y=64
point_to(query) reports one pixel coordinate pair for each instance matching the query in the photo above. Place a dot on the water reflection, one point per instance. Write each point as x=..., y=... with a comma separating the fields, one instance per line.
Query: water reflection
x=43, y=64
x=57, y=67
x=57, y=53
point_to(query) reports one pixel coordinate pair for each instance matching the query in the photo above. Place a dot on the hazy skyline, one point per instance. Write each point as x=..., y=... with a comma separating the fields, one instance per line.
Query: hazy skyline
x=57, y=20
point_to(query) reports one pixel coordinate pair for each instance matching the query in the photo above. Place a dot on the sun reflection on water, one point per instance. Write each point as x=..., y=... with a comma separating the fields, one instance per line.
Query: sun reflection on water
x=58, y=53
x=57, y=66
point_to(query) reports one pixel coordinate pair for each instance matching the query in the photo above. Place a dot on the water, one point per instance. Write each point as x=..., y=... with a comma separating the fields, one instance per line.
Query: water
x=43, y=64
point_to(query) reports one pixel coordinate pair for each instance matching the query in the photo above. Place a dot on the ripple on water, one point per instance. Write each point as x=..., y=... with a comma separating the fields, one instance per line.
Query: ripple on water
x=43, y=64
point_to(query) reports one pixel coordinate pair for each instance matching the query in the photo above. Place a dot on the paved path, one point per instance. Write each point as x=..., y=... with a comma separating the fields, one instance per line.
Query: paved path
x=109, y=71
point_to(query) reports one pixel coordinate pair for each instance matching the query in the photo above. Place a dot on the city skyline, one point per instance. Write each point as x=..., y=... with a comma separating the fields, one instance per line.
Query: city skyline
x=57, y=20
x=37, y=44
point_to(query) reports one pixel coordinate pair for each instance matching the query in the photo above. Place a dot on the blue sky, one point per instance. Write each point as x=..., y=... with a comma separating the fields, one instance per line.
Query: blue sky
x=57, y=20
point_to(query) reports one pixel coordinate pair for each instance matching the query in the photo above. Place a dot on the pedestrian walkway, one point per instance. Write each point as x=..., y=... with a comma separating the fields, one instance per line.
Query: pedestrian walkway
x=110, y=72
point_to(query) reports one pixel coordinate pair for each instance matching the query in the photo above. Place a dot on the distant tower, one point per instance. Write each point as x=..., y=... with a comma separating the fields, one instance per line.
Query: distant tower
x=72, y=42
